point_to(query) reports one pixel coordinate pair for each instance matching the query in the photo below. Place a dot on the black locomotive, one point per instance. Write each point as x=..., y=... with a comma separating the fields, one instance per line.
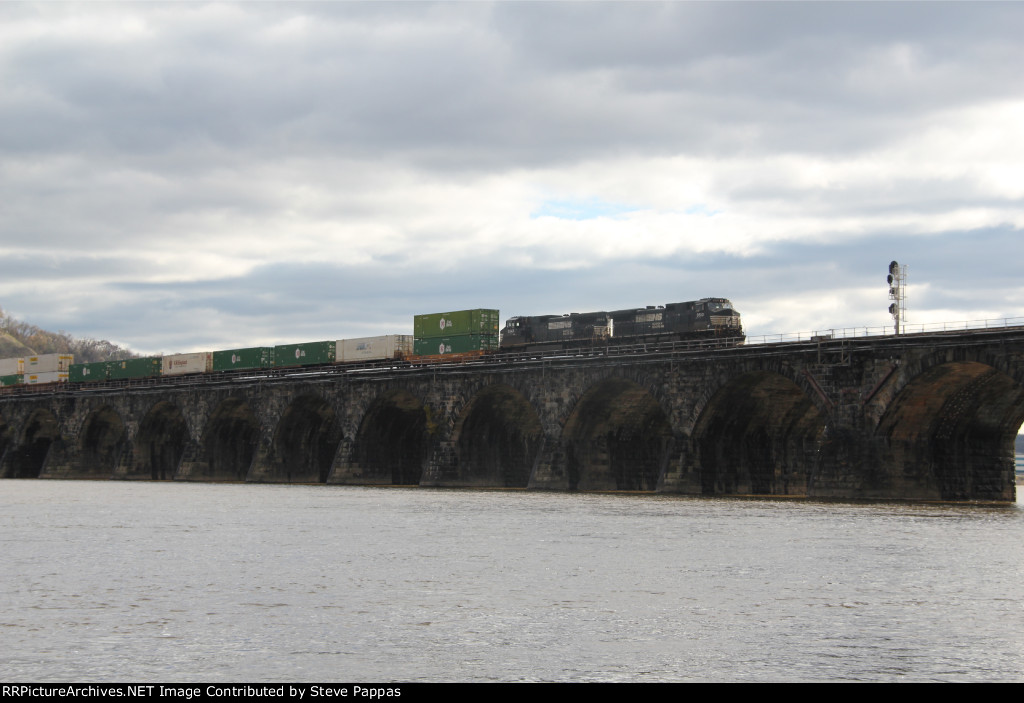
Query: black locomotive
x=697, y=319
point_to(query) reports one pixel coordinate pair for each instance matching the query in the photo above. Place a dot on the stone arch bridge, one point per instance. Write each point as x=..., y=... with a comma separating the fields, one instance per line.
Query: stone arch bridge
x=914, y=417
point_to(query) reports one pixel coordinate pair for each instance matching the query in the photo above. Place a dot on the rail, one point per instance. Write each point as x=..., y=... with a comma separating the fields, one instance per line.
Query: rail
x=885, y=331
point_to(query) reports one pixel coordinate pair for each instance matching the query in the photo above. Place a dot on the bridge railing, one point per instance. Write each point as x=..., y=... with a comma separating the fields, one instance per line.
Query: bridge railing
x=885, y=331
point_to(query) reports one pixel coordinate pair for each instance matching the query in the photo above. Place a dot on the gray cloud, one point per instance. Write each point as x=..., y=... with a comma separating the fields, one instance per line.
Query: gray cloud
x=328, y=300
x=458, y=85
x=188, y=174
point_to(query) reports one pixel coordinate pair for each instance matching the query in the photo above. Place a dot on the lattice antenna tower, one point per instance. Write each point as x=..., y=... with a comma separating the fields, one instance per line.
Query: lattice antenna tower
x=898, y=294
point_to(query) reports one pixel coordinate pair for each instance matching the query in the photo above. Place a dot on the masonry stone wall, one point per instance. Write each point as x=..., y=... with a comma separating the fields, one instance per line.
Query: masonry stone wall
x=924, y=419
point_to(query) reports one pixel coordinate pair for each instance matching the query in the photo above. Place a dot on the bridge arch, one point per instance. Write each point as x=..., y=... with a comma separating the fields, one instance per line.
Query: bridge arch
x=497, y=436
x=306, y=439
x=948, y=433
x=161, y=442
x=618, y=437
x=40, y=432
x=759, y=433
x=230, y=441
x=103, y=440
x=394, y=439
x=6, y=440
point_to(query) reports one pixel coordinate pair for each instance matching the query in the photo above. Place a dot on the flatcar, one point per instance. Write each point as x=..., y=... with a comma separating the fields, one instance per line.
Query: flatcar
x=697, y=319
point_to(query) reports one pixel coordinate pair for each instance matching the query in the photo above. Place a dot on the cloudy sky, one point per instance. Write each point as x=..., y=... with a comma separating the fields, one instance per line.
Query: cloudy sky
x=188, y=176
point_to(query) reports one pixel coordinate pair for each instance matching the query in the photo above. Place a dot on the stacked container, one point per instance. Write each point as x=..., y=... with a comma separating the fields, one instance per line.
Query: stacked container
x=243, y=359
x=134, y=368
x=46, y=377
x=178, y=364
x=91, y=372
x=306, y=354
x=48, y=363
x=388, y=346
x=11, y=367
x=462, y=344
x=480, y=322
x=460, y=333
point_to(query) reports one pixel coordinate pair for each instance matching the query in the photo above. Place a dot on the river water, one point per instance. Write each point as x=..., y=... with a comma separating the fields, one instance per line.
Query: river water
x=119, y=581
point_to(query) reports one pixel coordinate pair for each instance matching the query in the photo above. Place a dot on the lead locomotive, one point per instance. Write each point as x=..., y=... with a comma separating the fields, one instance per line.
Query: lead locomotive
x=697, y=319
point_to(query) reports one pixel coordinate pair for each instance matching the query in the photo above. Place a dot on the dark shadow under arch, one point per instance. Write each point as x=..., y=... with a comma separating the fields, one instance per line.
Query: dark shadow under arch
x=617, y=438
x=394, y=440
x=160, y=446
x=230, y=441
x=102, y=444
x=306, y=439
x=29, y=457
x=498, y=437
x=6, y=441
x=759, y=434
x=949, y=434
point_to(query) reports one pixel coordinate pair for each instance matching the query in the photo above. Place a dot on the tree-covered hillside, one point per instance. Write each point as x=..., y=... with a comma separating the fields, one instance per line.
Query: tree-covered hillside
x=19, y=338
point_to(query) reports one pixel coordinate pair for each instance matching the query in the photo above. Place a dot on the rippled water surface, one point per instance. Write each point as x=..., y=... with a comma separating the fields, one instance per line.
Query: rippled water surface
x=194, y=582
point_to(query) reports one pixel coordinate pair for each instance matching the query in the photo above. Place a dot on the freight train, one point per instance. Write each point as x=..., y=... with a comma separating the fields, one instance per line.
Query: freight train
x=439, y=337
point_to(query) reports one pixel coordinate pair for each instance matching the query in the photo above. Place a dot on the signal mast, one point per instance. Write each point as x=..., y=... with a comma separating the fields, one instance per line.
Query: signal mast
x=898, y=294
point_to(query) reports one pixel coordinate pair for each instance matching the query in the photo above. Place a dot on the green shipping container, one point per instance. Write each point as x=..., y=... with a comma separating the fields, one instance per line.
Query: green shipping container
x=83, y=373
x=134, y=368
x=455, y=345
x=15, y=379
x=250, y=358
x=478, y=322
x=306, y=354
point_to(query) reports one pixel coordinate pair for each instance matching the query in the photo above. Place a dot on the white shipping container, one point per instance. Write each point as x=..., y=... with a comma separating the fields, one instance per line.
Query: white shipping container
x=47, y=377
x=9, y=367
x=177, y=364
x=389, y=346
x=45, y=363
